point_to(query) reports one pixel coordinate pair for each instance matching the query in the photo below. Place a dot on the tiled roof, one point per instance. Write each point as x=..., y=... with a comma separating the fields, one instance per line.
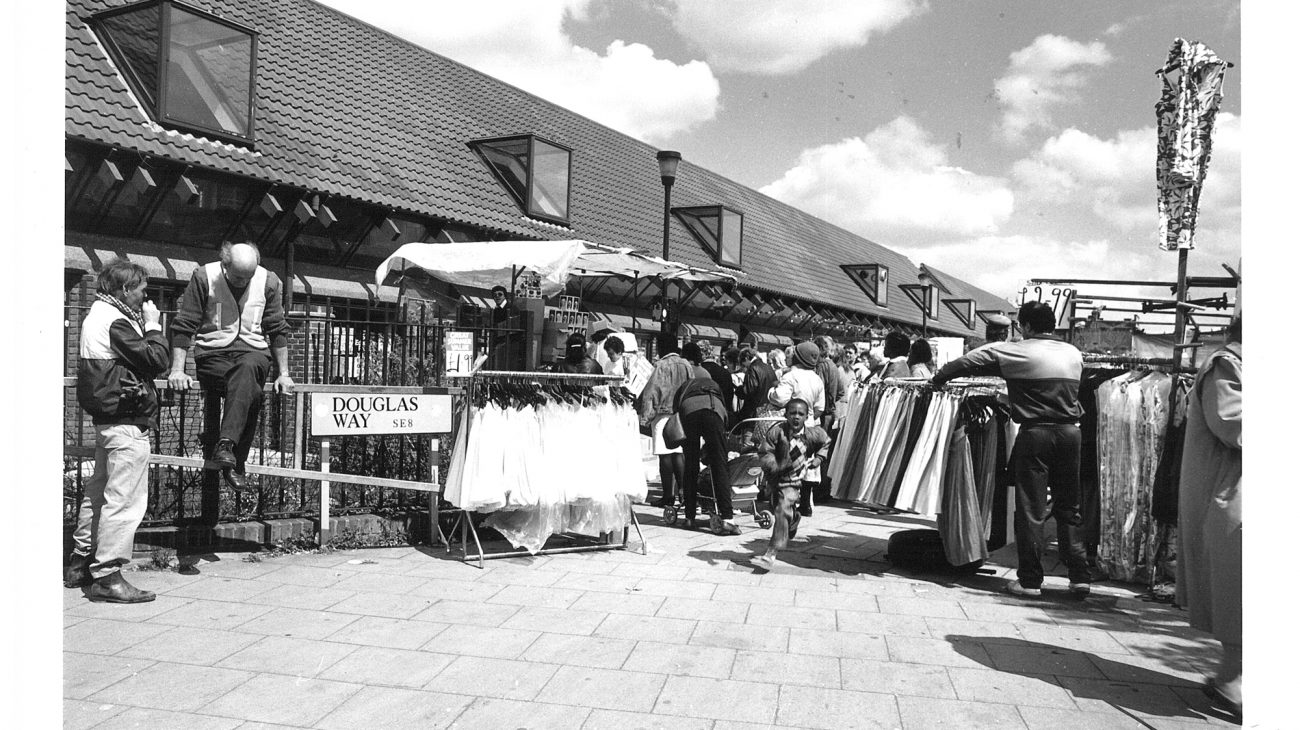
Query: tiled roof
x=962, y=290
x=346, y=109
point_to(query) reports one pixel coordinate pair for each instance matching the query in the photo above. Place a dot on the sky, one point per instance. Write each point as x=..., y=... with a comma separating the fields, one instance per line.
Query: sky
x=996, y=141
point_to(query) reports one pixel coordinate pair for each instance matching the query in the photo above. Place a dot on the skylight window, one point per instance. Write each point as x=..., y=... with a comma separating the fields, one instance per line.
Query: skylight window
x=719, y=229
x=191, y=70
x=534, y=171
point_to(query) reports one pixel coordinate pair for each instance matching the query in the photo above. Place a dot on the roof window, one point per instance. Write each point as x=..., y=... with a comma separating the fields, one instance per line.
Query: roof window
x=873, y=279
x=719, y=229
x=534, y=171
x=191, y=70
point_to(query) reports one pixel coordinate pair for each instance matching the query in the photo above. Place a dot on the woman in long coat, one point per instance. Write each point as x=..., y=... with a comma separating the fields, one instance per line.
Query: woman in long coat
x=1209, y=514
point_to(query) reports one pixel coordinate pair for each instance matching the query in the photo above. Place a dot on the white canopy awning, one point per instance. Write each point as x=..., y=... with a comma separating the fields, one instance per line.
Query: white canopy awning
x=489, y=263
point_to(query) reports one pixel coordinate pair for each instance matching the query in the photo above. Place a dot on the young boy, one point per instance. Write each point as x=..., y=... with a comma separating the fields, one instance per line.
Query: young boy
x=797, y=449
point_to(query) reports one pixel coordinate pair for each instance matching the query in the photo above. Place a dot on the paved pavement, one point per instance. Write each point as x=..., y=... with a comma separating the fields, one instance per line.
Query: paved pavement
x=688, y=636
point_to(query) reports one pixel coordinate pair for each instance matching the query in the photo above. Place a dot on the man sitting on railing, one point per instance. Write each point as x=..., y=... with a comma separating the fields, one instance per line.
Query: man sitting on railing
x=233, y=313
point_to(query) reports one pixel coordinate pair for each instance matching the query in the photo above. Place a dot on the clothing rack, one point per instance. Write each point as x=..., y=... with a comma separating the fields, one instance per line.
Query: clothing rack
x=1158, y=364
x=479, y=378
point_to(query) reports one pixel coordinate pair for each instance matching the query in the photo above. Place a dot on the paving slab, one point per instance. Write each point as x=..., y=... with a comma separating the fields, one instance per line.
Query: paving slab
x=390, y=632
x=646, y=628
x=782, y=668
x=835, y=709
x=605, y=719
x=719, y=699
x=284, y=700
x=79, y=715
x=501, y=678
x=676, y=660
x=86, y=674
x=396, y=709
x=168, y=686
x=581, y=651
x=141, y=717
x=189, y=645
x=924, y=713
x=494, y=714
x=382, y=666
x=100, y=636
x=608, y=689
x=896, y=678
x=484, y=641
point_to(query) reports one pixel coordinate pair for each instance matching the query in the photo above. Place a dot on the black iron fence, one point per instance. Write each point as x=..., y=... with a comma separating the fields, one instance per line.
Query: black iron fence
x=331, y=342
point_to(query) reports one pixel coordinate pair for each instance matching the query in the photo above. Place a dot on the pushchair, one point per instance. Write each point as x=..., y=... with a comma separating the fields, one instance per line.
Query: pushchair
x=745, y=476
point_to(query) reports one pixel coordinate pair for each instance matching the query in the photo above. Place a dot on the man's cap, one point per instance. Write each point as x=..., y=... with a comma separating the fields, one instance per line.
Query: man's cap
x=999, y=320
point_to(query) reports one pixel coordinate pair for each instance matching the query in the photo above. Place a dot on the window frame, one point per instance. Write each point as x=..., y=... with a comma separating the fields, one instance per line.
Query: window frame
x=155, y=100
x=526, y=202
x=714, y=249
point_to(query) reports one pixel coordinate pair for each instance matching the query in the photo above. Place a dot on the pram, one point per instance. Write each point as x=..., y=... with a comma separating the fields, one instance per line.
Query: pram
x=745, y=476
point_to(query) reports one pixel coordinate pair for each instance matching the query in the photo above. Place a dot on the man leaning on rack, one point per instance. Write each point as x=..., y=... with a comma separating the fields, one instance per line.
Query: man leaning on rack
x=232, y=312
x=1042, y=373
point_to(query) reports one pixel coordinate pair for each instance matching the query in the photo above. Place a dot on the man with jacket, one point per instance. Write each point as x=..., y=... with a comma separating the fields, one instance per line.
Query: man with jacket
x=232, y=312
x=1042, y=373
x=122, y=350
x=830, y=379
x=759, y=379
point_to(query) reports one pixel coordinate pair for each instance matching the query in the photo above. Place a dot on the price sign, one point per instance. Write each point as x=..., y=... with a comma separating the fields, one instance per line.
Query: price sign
x=459, y=349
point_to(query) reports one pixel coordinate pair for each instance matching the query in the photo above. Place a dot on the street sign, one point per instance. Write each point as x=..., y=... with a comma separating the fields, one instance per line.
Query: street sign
x=367, y=414
x=459, y=352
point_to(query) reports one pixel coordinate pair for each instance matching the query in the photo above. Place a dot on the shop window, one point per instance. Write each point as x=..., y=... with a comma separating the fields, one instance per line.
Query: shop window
x=719, y=229
x=191, y=70
x=535, y=172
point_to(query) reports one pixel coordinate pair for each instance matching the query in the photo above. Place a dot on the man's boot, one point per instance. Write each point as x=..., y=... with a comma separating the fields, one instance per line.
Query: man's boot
x=235, y=478
x=113, y=588
x=77, y=574
x=224, y=454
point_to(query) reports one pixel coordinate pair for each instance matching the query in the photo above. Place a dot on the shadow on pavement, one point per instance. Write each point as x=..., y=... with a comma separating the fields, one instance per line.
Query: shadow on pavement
x=1092, y=680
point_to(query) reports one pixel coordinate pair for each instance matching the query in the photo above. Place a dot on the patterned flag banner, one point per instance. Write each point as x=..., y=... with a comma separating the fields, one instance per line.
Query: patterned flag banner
x=1192, y=89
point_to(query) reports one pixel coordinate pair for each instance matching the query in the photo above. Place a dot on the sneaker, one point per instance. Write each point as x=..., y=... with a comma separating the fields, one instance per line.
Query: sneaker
x=726, y=527
x=1080, y=589
x=1015, y=589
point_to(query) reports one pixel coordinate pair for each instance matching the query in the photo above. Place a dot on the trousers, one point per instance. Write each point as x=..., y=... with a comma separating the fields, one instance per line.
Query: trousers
x=115, y=498
x=238, y=375
x=785, y=518
x=705, y=424
x=1048, y=456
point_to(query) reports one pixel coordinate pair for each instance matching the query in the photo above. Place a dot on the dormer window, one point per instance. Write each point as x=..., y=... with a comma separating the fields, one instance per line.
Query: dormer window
x=191, y=70
x=534, y=171
x=719, y=229
x=873, y=279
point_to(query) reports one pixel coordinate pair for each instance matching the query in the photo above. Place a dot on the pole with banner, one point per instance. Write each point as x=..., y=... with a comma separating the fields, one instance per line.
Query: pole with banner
x=1192, y=84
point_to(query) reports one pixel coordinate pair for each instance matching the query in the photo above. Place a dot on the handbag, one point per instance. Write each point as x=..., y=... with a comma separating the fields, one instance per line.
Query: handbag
x=674, y=434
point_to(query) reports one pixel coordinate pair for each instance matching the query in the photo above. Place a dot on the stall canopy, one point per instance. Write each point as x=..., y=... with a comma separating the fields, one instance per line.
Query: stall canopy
x=489, y=263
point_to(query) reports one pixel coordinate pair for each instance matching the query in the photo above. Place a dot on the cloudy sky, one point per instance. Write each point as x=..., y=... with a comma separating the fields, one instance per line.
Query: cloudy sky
x=994, y=140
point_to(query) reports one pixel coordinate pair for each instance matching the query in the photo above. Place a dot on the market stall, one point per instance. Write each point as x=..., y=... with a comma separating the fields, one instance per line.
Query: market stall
x=543, y=454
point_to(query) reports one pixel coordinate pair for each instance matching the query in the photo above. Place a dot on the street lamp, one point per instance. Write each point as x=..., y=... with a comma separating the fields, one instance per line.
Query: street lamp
x=668, y=161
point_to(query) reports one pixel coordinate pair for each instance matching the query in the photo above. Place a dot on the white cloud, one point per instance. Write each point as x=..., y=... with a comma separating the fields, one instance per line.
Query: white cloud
x=1115, y=178
x=523, y=42
x=784, y=36
x=1045, y=74
x=893, y=181
x=1003, y=265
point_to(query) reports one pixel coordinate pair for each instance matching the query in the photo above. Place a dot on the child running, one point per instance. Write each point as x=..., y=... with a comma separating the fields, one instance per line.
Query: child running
x=792, y=450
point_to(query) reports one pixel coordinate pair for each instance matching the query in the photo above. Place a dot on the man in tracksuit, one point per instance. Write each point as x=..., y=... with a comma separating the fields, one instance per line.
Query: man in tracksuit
x=1042, y=373
x=122, y=350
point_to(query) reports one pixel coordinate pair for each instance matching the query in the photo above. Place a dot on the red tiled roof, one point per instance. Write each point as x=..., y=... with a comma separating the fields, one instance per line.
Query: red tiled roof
x=346, y=109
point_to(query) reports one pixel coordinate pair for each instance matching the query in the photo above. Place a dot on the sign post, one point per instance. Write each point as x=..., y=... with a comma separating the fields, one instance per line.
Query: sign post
x=375, y=413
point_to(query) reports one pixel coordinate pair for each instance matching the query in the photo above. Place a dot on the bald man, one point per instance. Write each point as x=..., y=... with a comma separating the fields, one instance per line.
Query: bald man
x=232, y=313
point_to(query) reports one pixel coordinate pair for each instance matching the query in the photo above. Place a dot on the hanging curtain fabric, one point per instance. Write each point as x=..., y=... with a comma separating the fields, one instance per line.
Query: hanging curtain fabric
x=960, y=522
x=543, y=462
x=1131, y=423
x=1192, y=80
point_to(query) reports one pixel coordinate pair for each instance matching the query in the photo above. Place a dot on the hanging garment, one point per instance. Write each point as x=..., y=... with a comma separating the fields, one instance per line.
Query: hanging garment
x=1089, y=488
x=1164, y=494
x=1209, y=500
x=1132, y=413
x=960, y=521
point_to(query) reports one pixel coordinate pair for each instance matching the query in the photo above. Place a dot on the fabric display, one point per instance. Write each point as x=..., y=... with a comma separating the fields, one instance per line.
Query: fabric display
x=1132, y=420
x=545, y=460
x=909, y=447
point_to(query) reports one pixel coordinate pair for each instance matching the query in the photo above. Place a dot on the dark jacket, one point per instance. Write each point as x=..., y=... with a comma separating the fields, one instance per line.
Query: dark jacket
x=827, y=371
x=759, y=378
x=700, y=393
x=586, y=366
x=775, y=440
x=1042, y=374
x=723, y=379
x=117, y=366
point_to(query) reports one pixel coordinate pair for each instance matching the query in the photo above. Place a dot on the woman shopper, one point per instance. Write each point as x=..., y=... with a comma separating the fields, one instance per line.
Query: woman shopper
x=670, y=372
x=920, y=360
x=122, y=351
x=1209, y=573
x=700, y=405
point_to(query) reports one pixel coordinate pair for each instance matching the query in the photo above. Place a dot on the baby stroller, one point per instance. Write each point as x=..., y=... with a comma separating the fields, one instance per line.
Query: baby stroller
x=745, y=475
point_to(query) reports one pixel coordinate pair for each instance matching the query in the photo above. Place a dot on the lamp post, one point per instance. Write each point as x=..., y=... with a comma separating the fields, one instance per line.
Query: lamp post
x=668, y=161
